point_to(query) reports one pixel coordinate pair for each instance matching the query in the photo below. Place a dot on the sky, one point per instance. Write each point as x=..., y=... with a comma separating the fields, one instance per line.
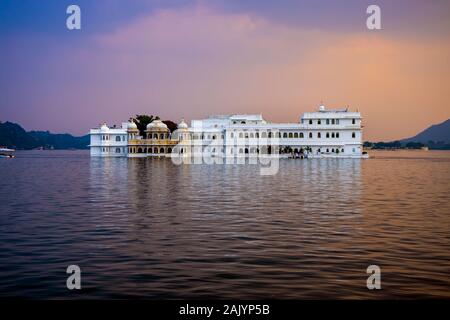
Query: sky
x=191, y=59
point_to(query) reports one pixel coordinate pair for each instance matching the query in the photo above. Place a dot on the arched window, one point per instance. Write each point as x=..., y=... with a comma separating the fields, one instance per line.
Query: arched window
x=318, y=135
x=332, y=150
x=161, y=136
x=252, y=135
x=161, y=150
x=328, y=135
x=117, y=150
x=118, y=138
x=353, y=121
x=337, y=134
x=263, y=134
x=310, y=134
x=318, y=122
x=353, y=135
x=328, y=150
x=270, y=134
x=290, y=135
x=296, y=135
x=332, y=121
x=139, y=150
x=342, y=150
x=155, y=136
x=328, y=121
x=285, y=135
x=246, y=150
x=240, y=150
x=169, y=150
x=257, y=135
x=301, y=135
x=332, y=135
x=310, y=121
x=155, y=150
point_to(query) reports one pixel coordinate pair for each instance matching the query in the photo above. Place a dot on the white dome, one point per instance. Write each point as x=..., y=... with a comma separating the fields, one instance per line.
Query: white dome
x=156, y=124
x=104, y=127
x=131, y=125
x=182, y=125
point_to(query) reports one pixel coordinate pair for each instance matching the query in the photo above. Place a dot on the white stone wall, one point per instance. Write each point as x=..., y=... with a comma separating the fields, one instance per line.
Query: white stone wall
x=108, y=142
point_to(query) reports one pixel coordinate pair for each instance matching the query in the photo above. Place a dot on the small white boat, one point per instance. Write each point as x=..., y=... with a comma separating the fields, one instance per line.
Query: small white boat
x=6, y=153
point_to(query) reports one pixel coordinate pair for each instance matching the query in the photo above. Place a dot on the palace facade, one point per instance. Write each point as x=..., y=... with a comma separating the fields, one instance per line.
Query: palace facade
x=323, y=133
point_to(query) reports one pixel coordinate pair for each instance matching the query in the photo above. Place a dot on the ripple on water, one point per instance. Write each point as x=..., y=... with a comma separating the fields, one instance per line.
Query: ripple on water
x=145, y=228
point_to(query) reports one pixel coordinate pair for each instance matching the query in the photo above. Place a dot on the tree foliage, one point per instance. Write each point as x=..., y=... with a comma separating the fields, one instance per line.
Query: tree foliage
x=171, y=125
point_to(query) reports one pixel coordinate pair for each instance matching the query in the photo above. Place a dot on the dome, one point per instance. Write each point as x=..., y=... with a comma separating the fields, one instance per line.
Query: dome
x=182, y=125
x=156, y=124
x=321, y=107
x=131, y=125
x=104, y=127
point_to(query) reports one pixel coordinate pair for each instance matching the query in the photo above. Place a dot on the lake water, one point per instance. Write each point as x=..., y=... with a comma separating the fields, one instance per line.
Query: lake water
x=146, y=228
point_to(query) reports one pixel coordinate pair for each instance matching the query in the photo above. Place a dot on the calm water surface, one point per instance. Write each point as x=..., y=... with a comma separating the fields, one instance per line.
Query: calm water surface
x=145, y=228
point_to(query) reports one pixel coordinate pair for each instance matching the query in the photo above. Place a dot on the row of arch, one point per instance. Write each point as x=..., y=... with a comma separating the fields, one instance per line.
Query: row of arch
x=285, y=150
x=251, y=150
x=168, y=136
x=328, y=121
x=156, y=150
x=295, y=135
x=286, y=135
x=160, y=136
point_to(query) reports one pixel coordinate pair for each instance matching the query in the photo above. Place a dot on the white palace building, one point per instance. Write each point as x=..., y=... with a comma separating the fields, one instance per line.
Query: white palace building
x=324, y=133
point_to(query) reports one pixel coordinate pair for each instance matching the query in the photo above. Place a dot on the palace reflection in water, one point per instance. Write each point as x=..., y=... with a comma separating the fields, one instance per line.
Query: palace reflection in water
x=146, y=228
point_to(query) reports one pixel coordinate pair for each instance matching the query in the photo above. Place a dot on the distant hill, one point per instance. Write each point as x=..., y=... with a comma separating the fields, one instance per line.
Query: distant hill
x=435, y=137
x=14, y=136
x=436, y=133
x=60, y=141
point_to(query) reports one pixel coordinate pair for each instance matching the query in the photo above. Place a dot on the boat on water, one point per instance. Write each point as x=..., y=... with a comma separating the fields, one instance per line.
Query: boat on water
x=6, y=153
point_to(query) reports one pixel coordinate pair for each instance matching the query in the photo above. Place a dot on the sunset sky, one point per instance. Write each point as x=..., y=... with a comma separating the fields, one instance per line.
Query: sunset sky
x=191, y=59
